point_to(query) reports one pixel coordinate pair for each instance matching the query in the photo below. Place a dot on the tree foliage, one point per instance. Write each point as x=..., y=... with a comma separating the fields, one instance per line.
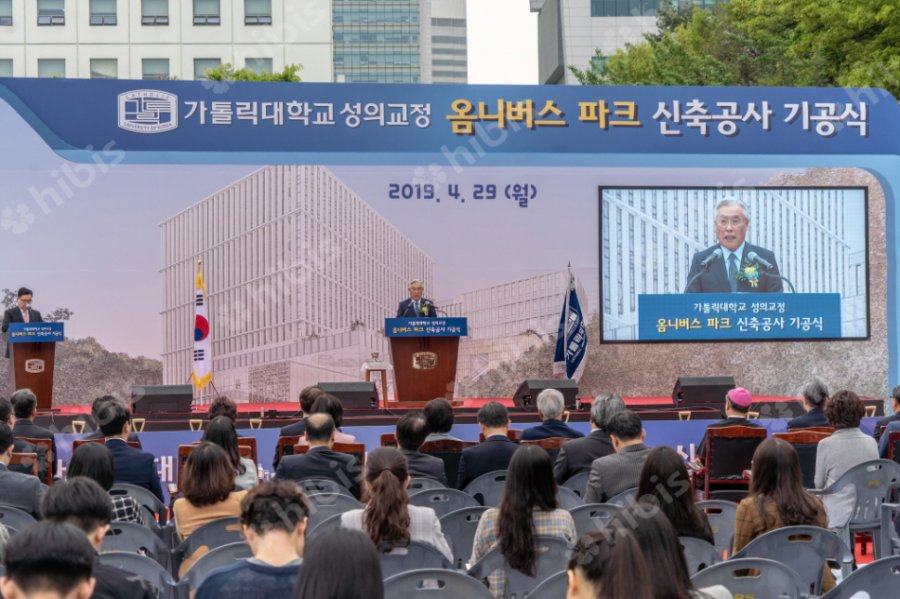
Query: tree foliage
x=226, y=72
x=762, y=43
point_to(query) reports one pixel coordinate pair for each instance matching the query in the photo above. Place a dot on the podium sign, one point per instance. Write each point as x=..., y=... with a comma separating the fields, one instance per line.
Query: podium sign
x=424, y=353
x=32, y=357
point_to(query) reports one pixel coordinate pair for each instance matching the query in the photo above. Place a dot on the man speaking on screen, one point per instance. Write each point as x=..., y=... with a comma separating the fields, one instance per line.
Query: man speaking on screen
x=733, y=265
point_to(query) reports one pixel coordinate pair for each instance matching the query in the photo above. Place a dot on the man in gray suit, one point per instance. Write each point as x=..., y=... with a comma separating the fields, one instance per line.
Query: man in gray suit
x=23, y=491
x=612, y=474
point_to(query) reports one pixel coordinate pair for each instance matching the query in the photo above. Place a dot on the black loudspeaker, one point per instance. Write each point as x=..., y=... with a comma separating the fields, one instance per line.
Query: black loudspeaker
x=526, y=394
x=158, y=399
x=355, y=395
x=706, y=391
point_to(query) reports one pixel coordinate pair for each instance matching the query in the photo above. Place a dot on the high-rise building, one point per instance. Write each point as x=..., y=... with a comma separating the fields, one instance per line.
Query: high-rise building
x=300, y=274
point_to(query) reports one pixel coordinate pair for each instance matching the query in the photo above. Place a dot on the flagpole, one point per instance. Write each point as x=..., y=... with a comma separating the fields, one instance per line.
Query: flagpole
x=566, y=323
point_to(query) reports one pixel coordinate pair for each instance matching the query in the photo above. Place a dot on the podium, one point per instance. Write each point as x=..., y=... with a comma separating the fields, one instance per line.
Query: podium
x=31, y=358
x=424, y=353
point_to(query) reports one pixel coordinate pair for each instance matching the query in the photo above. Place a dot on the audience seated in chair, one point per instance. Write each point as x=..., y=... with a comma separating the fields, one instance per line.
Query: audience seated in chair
x=495, y=452
x=529, y=508
x=222, y=406
x=331, y=405
x=221, y=432
x=814, y=396
x=412, y=429
x=308, y=396
x=664, y=477
x=343, y=563
x=274, y=516
x=132, y=465
x=320, y=461
x=20, y=446
x=51, y=561
x=81, y=502
x=22, y=491
x=95, y=413
x=608, y=563
x=612, y=474
x=577, y=455
x=550, y=405
x=388, y=517
x=882, y=425
x=777, y=498
x=737, y=405
x=24, y=403
x=845, y=448
x=666, y=566
x=439, y=416
x=95, y=461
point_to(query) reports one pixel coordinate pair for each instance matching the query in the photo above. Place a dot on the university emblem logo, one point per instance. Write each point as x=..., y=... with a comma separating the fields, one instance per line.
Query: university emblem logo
x=148, y=111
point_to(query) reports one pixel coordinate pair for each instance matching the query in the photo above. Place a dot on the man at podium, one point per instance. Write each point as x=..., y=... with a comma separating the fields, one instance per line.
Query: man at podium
x=417, y=306
x=21, y=312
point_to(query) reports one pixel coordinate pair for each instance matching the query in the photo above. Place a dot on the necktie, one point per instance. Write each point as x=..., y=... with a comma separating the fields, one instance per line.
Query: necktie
x=416, y=305
x=732, y=272
x=26, y=317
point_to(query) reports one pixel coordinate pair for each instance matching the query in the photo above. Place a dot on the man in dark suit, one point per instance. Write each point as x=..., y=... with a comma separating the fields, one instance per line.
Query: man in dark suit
x=733, y=265
x=411, y=432
x=884, y=422
x=132, y=465
x=23, y=491
x=320, y=461
x=29, y=553
x=95, y=410
x=613, y=474
x=308, y=397
x=814, y=396
x=737, y=406
x=550, y=405
x=495, y=452
x=24, y=403
x=416, y=306
x=20, y=446
x=21, y=312
x=577, y=455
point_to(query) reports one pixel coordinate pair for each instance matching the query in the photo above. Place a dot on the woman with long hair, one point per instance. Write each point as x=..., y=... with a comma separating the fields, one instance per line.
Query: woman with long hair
x=95, y=461
x=529, y=509
x=221, y=432
x=608, y=564
x=777, y=498
x=342, y=564
x=388, y=517
x=665, y=477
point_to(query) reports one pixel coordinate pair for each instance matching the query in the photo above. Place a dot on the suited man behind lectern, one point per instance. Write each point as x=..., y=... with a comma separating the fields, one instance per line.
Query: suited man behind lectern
x=21, y=312
x=416, y=306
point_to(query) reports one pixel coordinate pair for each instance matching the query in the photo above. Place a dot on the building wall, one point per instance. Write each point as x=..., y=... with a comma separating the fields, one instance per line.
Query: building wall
x=448, y=35
x=300, y=32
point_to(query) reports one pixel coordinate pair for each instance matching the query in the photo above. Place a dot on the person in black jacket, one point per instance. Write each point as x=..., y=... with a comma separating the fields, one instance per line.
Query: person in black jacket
x=132, y=465
x=577, y=455
x=21, y=312
x=884, y=422
x=81, y=502
x=416, y=305
x=814, y=395
x=95, y=411
x=320, y=461
x=495, y=452
x=550, y=405
x=411, y=432
x=24, y=403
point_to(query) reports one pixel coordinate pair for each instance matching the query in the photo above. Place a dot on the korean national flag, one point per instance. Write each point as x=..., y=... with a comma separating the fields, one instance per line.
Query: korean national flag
x=571, y=341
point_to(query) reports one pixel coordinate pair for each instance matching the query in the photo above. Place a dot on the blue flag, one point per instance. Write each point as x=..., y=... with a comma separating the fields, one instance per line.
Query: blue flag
x=571, y=340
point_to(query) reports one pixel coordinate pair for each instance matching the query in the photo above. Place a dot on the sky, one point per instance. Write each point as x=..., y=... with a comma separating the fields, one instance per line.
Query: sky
x=503, y=46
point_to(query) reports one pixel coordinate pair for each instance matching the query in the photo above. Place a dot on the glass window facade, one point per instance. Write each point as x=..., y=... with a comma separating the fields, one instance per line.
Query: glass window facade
x=154, y=12
x=104, y=68
x=6, y=67
x=201, y=65
x=257, y=12
x=376, y=42
x=103, y=12
x=51, y=12
x=259, y=65
x=51, y=67
x=207, y=12
x=6, y=12
x=155, y=68
x=636, y=8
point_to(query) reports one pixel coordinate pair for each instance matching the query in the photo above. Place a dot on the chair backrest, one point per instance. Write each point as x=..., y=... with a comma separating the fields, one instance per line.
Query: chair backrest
x=144, y=497
x=217, y=558
x=877, y=579
x=721, y=520
x=388, y=439
x=729, y=452
x=813, y=429
x=323, y=485
x=354, y=449
x=136, y=538
x=514, y=434
x=802, y=548
x=245, y=443
x=29, y=461
x=751, y=577
x=698, y=554
x=45, y=452
x=396, y=559
x=13, y=517
x=324, y=505
x=79, y=442
x=551, y=444
x=434, y=583
x=568, y=499
x=807, y=445
x=578, y=483
x=285, y=446
x=329, y=523
x=217, y=533
x=624, y=498
x=552, y=557
x=443, y=501
x=593, y=516
x=874, y=480
x=459, y=528
x=894, y=446
x=554, y=587
x=423, y=484
x=488, y=488
x=449, y=452
x=143, y=567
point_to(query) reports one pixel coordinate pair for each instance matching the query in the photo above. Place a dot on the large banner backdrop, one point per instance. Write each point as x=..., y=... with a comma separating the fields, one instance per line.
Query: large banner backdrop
x=311, y=206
